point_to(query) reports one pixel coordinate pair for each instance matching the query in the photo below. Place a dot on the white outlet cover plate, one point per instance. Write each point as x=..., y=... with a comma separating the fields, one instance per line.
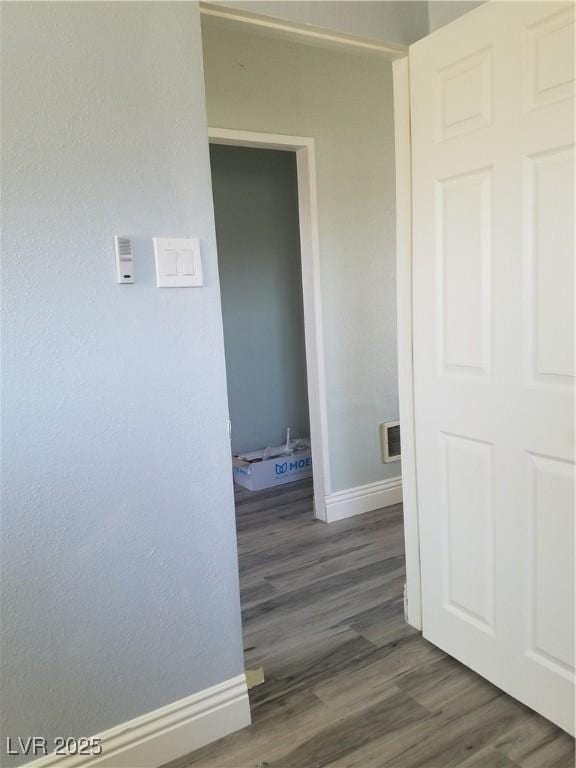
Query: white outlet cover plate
x=178, y=262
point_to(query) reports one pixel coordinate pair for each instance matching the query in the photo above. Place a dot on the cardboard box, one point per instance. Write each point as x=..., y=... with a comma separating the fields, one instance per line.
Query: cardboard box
x=256, y=474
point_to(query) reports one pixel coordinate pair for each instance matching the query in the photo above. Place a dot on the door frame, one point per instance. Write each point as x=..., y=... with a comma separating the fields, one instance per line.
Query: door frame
x=303, y=147
x=291, y=30
x=403, y=156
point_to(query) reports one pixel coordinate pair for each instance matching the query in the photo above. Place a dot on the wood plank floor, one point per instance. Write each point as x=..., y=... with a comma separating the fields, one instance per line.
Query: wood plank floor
x=348, y=683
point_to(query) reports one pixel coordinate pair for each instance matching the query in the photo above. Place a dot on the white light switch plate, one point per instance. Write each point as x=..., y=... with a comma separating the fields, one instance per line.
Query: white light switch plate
x=178, y=262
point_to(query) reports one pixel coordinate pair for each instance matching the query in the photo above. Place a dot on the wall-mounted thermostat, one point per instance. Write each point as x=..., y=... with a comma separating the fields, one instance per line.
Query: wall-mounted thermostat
x=124, y=259
x=178, y=262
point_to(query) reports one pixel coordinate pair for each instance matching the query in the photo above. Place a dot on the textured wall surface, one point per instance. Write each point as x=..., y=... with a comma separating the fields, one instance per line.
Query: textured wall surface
x=344, y=101
x=119, y=580
x=257, y=230
x=391, y=21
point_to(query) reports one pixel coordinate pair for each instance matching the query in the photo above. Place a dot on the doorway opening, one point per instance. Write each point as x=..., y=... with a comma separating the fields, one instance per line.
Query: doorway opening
x=256, y=209
x=314, y=596
x=265, y=211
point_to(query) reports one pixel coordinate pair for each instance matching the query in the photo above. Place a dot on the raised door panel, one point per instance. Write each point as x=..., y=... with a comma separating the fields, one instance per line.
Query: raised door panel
x=551, y=596
x=550, y=265
x=464, y=254
x=469, y=533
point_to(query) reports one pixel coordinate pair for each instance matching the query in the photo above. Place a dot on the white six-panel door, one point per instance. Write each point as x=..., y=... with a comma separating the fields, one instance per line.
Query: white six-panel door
x=492, y=100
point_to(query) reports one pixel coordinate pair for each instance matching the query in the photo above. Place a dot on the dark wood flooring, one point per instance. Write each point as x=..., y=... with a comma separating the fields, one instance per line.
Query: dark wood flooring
x=348, y=683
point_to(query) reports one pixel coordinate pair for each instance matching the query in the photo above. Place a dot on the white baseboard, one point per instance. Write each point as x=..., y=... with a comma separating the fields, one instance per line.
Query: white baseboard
x=167, y=733
x=364, y=498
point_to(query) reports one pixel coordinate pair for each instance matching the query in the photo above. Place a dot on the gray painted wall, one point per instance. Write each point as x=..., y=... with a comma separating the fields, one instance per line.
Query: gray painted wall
x=257, y=231
x=442, y=12
x=119, y=565
x=391, y=21
x=345, y=102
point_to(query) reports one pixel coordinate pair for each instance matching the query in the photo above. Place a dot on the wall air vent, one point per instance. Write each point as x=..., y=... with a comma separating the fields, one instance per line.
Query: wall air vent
x=390, y=440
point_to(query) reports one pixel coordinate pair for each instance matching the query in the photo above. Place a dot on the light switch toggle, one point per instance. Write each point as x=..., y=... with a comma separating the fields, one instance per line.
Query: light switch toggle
x=178, y=262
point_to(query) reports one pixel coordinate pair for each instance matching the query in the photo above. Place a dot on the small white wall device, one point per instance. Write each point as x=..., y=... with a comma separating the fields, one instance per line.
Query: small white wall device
x=390, y=441
x=178, y=262
x=124, y=259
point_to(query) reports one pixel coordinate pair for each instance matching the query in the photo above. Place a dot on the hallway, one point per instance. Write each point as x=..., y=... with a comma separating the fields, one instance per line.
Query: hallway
x=348, y=683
